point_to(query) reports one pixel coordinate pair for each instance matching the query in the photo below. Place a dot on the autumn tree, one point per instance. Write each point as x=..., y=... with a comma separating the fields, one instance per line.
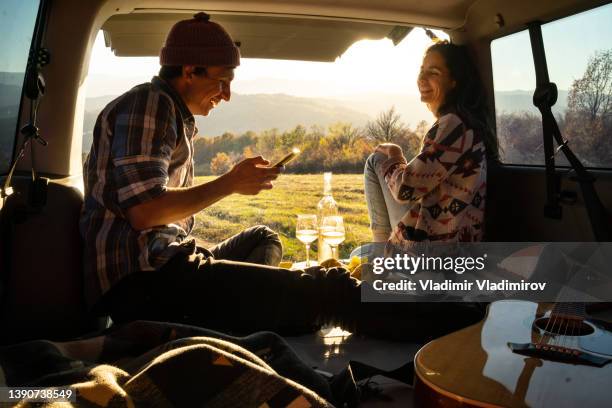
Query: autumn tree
x=247, y=152
x=386, y=128
x=588, y=120
x=520, y=137
x=220, y=164
x=592, y=94
x=293, y=138
x=341, y=147
x=344, y=134
x=422, y=129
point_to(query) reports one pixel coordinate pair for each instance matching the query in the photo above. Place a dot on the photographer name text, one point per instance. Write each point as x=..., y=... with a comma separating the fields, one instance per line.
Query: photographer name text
x=406, y=285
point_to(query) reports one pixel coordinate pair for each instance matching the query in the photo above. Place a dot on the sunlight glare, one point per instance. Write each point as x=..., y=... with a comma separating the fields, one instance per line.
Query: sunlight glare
x=366, y=66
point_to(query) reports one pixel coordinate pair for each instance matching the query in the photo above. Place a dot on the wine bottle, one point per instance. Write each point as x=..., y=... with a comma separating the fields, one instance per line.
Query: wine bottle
x=327, y=206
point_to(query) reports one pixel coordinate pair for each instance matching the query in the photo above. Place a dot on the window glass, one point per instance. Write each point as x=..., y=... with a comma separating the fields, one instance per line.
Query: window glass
x=17, y=20
x=519, y=125
x=579, y=57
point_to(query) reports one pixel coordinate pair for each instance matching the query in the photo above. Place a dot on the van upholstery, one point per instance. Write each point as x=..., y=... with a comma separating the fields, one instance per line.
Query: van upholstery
x=43, y=284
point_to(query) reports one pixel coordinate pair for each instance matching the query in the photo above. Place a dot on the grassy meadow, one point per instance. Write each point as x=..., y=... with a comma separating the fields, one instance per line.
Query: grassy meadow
x=278, y=208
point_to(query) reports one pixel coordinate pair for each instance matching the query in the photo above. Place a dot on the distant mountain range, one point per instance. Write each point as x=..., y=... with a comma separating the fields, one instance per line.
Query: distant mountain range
x=10, y=90
x=267, y=111
x=254, y=112
x=516, y=101
x=259, y=112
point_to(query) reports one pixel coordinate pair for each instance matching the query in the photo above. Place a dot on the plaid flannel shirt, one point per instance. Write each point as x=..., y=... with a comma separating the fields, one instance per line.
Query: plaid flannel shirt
x=142, y=144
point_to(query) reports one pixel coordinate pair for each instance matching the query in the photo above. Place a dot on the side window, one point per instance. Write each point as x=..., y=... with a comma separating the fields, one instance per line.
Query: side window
x=519, y=125
x=579, y=59
x=17, y=20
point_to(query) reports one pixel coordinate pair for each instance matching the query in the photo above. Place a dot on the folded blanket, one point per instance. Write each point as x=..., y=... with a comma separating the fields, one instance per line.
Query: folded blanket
x=158, y=364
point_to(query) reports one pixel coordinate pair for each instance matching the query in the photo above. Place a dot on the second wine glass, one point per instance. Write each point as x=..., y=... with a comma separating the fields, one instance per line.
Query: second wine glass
x=333, y=233
x=306, y=231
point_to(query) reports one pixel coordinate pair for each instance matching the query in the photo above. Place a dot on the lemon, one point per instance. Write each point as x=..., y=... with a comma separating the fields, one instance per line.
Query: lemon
x=356, y=261
x=356, y=273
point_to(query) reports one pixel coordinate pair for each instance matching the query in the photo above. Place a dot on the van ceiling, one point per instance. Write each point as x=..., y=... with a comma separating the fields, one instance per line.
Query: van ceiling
x=273, y=37
x=321, y=30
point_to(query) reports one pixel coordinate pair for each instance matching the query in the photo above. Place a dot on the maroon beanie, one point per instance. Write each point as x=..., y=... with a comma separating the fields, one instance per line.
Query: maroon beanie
x=199, y=42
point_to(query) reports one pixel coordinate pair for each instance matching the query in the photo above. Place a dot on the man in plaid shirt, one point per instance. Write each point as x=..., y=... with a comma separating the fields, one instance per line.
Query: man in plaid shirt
x=139, y=193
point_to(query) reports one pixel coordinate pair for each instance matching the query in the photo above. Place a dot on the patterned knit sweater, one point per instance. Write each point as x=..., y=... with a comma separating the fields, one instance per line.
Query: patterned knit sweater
x=444, y=185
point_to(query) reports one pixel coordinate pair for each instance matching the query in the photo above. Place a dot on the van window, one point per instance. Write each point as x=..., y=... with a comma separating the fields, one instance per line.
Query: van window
x=579, y=59
x=17, y=20
x=335, y=112
x=519, y=126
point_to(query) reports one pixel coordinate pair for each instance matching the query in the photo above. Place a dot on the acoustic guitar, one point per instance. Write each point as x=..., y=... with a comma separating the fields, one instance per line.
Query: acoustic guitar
x=522, y=354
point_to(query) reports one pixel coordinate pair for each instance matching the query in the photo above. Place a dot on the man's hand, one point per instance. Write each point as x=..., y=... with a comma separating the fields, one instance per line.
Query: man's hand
x=390, y=149
x=250, y=176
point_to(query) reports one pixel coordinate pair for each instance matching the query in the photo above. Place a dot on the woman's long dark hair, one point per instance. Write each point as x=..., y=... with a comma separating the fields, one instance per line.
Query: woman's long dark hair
x=467, y=99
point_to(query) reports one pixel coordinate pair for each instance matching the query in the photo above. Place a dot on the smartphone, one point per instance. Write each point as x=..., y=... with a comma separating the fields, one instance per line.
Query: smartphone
x=294, y=153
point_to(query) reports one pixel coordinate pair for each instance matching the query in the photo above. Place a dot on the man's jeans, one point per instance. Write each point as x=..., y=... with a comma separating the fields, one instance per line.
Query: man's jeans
x=156, y=295
x=234, y=296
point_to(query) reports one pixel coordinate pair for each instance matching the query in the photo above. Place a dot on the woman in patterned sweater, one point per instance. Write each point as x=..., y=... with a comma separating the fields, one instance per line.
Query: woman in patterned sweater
x=439, y=195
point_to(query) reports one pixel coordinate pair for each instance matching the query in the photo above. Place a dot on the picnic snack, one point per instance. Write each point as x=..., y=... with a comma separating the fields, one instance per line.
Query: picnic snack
x=355, y=262
x=354, y=266
x=356, y=273
x=331, y=262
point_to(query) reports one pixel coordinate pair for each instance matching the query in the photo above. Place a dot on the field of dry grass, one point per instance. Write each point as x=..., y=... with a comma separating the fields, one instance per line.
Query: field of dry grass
x=278, y=208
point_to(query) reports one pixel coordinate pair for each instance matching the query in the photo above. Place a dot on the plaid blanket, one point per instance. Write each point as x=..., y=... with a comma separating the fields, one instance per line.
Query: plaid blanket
x=158, y=364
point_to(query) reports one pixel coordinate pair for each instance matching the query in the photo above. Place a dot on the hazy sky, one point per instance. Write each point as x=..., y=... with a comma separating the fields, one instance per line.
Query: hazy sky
x=568, y=43
x=366, y=66
x=16, y=25
x=378, y=66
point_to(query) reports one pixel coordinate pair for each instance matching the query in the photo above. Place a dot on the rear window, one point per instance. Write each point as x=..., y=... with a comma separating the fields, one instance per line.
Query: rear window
x=579, y=59
x=335, y=112
x=17, y=20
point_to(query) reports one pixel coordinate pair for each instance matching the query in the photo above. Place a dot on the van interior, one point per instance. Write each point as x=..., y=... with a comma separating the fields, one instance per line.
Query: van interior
x=41, y=246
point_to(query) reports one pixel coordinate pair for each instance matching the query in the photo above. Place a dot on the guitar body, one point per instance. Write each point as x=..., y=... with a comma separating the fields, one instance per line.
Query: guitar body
x=477, y=367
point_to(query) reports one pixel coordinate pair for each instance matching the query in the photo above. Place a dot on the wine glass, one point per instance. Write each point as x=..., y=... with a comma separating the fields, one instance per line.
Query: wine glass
x=333, y=233
x=306, y=231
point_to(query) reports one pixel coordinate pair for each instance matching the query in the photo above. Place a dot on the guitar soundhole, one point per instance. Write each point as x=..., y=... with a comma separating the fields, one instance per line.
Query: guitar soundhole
x=563, y=327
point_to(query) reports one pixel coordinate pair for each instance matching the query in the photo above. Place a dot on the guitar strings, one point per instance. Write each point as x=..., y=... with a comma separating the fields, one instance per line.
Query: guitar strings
x=577, y=311
x=555, y=337
x=565, y=337
x=569, y=318
x=575, y=314
x=543, y=341
x=543, y=334
x=562, y=319
x=560, y=310
x=569, y=313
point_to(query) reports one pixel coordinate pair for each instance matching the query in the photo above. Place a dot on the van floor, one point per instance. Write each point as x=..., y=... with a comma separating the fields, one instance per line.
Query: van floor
x=331, y=350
